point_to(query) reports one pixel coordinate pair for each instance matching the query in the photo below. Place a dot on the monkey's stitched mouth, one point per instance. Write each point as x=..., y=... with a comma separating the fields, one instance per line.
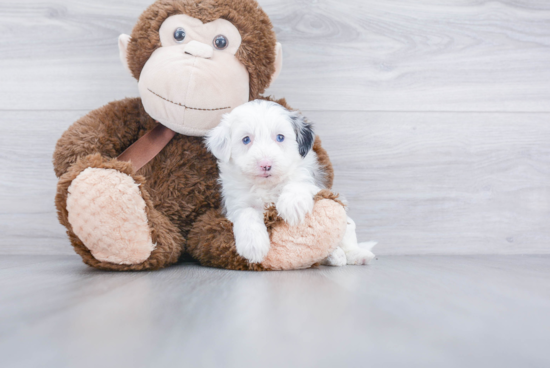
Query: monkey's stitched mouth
x=187, y=107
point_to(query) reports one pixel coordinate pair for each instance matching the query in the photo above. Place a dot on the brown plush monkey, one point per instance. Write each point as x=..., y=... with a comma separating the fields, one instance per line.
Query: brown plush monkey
x=194, y=60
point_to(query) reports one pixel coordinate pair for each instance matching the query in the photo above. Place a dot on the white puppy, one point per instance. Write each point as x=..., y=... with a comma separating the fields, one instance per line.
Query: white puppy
x=265, y=156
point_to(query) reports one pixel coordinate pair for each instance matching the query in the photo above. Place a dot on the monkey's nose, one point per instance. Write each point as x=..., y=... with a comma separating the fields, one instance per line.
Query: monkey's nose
x=199, y=49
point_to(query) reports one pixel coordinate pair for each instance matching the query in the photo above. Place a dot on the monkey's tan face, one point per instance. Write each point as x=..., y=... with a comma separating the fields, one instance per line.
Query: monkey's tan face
x=195, y=77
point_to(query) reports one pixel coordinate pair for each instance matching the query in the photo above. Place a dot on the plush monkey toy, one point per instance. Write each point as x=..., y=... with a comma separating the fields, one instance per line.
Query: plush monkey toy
x=137, y=188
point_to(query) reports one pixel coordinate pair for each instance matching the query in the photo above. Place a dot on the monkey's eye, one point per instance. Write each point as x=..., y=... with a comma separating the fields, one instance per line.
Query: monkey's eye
x=179, y=34
x=246, y=140
x=220, y=42
x=280, y=138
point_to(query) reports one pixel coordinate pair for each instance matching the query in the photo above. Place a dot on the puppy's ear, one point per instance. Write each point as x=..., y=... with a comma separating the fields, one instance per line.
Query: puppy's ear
x=218, y=141
x=304, y=133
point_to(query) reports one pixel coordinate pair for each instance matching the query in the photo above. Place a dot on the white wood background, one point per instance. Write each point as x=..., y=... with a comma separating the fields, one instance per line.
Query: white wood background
x=436, y=113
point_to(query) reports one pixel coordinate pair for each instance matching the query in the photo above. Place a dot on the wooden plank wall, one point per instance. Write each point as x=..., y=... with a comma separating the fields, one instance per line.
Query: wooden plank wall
x=436, y=113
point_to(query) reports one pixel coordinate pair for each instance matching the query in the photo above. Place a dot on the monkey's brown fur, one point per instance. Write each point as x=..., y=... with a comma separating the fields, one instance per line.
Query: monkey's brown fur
x=179, y=185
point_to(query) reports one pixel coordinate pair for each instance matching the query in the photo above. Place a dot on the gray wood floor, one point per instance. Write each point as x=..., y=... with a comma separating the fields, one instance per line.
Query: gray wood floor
x=401, y=311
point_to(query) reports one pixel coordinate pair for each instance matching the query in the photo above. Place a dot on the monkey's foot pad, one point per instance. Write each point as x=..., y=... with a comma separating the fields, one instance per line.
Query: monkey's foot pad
x=107, y=212
x=301, y=246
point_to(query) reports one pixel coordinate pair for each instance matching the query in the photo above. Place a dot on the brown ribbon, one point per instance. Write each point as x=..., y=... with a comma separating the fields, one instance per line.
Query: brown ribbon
x=147, y=147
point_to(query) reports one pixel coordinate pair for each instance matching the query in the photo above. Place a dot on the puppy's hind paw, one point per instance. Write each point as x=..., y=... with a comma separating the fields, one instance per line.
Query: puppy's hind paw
x=337, y=258
x=359, y=256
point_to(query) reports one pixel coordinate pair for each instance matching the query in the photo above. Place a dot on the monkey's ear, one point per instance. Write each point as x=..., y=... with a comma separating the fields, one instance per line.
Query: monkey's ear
x=218, y=141
x=123, y=41
x=278, y=62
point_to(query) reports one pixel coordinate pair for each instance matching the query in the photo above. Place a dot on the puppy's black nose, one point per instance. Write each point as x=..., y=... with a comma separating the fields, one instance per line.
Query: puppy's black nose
x=266, y=168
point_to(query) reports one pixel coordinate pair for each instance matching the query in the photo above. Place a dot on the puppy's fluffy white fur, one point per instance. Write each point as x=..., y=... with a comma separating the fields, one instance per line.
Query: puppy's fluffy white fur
x=265, y=156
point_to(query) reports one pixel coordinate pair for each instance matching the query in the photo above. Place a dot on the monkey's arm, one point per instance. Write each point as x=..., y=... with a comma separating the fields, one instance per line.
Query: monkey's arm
x=108, y=131
x=324, y=161
x=211, y=241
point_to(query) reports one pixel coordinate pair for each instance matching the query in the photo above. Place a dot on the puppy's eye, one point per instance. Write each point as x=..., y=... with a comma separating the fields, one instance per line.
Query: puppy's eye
x=280, y=138
x=246, y=140
x=220, y=42
x=179, y=35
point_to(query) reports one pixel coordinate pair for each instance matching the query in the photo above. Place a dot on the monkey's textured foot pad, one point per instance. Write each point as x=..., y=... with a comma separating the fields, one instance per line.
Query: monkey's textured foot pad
x=294, y=247
x=107, y=212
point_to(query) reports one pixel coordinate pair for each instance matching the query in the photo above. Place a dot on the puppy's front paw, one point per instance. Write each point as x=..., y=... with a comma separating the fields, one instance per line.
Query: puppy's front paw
x=337, y=258
x=252, y=242
x=293, y=207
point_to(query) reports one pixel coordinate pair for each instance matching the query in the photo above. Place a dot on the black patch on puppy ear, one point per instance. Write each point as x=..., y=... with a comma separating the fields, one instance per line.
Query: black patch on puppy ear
x=304, y=133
